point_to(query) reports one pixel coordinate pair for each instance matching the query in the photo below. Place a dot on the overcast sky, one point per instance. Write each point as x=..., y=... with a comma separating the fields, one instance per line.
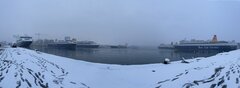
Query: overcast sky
x=137, y=22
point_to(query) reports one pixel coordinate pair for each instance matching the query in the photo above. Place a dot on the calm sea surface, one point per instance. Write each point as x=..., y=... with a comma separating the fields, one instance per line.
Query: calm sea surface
x=130, y=56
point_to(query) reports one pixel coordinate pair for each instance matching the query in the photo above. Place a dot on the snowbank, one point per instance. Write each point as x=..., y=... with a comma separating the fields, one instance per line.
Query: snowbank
x=22, y=68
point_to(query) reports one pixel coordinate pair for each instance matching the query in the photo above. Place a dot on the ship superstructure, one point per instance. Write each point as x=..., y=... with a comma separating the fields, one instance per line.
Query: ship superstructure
x=214, y=44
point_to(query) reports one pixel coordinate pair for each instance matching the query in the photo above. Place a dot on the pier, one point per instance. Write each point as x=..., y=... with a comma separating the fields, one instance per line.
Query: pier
x=22, y=68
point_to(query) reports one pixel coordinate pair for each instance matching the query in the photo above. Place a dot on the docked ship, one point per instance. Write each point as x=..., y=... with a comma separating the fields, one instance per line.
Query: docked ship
x=63, y=44
x=214, y=44
x=24, y=41
x=87, y=44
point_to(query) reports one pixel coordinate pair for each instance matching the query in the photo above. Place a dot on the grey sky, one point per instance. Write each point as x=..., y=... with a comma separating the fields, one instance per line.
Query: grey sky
x=137, y=22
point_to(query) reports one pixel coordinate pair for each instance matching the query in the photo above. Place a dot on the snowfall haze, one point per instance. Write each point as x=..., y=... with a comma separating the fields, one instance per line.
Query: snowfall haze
x=136, y=22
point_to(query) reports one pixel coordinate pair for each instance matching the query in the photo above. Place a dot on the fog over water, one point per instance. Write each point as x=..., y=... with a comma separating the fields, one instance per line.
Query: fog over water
x=136, y=22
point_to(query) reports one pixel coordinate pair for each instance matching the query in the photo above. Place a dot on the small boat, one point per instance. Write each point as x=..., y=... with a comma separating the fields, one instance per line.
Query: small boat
x=119, y=46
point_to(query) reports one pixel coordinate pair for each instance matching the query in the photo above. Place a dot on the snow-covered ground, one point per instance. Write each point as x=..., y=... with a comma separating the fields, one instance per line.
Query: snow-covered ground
x=23, y=68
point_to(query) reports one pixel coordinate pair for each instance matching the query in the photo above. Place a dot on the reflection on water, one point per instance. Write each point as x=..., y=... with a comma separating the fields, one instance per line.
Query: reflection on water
x=126, y=56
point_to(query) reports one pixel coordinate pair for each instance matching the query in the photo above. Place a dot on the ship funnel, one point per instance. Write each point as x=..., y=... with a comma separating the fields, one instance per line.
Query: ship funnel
x=214, y=40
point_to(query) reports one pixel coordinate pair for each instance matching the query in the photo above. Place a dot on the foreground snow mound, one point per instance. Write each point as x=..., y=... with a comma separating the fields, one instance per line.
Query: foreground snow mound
x=22, y=68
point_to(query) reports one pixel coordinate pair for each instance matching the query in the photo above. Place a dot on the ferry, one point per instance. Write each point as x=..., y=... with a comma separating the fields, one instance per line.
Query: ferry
x=166, y=46
x=24, y=41
x=62, y=45
x=214, y=44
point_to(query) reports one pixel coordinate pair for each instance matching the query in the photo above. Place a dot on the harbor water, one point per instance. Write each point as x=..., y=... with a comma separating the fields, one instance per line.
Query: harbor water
x=127, y=56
